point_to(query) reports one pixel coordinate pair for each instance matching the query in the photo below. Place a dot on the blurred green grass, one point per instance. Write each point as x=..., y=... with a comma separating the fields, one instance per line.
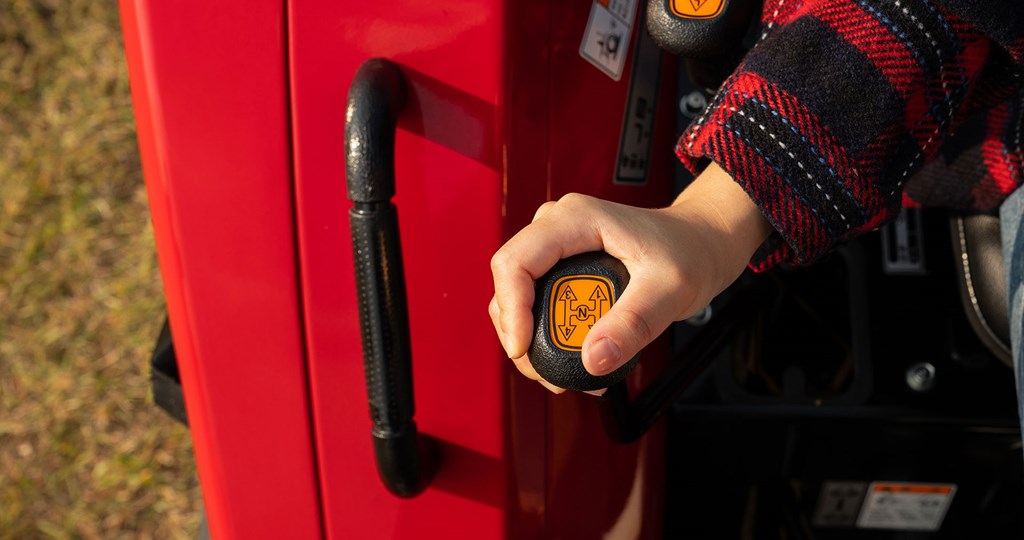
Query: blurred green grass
x=84, y=453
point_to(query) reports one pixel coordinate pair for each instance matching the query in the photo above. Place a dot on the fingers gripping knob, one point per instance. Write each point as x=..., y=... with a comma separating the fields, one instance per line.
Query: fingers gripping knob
x=569, y=300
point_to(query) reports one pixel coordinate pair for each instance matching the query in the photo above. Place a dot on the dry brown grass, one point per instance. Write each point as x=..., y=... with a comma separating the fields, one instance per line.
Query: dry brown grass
x=83, y=451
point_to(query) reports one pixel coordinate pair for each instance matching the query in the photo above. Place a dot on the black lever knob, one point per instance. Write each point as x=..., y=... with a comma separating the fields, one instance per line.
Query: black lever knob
x=699, y=28
x=569, y=300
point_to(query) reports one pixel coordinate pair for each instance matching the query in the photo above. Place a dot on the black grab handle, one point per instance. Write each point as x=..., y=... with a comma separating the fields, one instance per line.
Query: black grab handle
x=406, y=460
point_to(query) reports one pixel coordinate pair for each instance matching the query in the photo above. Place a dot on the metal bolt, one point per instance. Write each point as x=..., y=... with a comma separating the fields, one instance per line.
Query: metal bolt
x=702, y=317
x=921, y=377
x=692, y=104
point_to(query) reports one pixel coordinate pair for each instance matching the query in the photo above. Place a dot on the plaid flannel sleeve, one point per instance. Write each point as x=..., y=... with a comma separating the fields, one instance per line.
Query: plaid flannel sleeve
x=835, y=109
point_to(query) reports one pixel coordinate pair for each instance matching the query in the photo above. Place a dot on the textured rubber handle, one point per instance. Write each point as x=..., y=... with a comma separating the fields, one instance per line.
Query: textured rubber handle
x=383, y=313
x=569, y=299
x=699, y=28
x=405, y=459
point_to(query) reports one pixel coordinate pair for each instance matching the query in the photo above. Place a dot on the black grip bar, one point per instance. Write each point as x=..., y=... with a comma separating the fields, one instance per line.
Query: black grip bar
x=406, y=460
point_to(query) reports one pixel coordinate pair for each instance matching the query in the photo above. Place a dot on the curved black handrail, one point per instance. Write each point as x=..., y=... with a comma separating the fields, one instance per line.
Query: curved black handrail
x=406, y=460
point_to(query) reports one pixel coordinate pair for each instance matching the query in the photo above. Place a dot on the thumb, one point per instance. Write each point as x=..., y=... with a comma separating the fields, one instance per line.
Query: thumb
x=642, y=313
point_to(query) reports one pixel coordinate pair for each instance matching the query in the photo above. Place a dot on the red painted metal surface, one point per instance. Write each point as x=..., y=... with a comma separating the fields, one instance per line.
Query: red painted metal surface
x=505, y=116
x=209, y=88
x=448, y=175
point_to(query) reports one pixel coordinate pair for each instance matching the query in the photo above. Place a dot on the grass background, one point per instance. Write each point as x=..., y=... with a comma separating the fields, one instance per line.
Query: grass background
x=84, y=453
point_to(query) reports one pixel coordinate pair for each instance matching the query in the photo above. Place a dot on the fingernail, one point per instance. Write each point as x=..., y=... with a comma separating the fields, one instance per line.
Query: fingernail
x=551, y=387
x=507, y=343
x=603, y=355
x=597, y=393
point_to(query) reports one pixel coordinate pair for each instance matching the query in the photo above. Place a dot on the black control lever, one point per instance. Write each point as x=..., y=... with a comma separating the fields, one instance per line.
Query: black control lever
x=569, y=300
x=699, y=28
x=707, y=34
x=574, y=295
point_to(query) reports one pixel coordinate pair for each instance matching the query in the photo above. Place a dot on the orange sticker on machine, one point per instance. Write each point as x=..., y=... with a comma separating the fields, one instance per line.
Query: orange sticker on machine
x=697, y=9
x=577, y=302
x=900, y=487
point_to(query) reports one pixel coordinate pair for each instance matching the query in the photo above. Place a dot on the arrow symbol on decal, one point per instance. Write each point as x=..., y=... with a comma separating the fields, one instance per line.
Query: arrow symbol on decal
x=598, y=298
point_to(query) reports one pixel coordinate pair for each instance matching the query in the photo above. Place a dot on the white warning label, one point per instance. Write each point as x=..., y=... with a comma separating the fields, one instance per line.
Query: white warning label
x=638, y=121
x=838, y=503
x=606, y=40
x=905, y=506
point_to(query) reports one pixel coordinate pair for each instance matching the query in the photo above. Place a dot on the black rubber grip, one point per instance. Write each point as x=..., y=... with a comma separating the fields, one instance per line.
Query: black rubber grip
x=405, y=460
x=569, y=299
x=699, y=28
x=383, y=314
x=375, y=99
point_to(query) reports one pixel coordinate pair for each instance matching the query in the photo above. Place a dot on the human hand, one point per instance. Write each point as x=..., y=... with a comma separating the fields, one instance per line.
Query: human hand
x=678, y=258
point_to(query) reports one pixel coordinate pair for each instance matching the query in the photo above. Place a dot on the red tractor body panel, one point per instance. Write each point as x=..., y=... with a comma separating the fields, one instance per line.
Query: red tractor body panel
x=241, y=112
x=209, y=84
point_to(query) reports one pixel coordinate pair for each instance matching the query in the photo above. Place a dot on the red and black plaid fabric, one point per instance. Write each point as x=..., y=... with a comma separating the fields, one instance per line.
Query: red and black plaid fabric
x=846, y=109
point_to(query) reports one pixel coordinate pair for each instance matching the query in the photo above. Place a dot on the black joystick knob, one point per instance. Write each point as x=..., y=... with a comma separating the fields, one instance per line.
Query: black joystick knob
x=699, y=28
x=569, y=300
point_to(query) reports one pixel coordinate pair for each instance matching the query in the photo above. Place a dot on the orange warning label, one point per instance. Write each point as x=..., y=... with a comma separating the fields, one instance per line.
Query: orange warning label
x=697, y=9
x=905, y=506
x=577, y=302
x=938, y=489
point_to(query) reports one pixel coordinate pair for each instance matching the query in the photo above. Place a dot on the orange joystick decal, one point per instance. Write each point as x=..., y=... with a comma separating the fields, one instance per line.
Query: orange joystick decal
x=577, y=302
x=697, y=9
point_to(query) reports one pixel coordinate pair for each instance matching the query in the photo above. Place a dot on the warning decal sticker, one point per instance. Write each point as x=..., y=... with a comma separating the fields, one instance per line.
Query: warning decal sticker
x=606, y=39
x=577, y=302
x=838, y=503
x=638, y=119
x=905, y=506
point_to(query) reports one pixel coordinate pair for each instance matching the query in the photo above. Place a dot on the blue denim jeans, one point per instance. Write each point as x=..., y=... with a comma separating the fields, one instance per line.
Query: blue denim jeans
x=1012, y=227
